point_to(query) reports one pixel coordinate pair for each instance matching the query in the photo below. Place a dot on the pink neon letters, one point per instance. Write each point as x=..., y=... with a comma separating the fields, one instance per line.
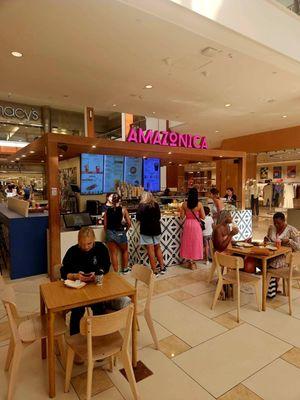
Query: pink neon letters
x=165, y=138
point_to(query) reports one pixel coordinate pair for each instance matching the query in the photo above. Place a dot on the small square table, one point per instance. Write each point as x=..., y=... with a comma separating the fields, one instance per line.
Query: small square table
x=56, y=297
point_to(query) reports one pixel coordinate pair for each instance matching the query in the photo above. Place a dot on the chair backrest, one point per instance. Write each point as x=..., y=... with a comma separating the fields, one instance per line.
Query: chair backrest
x=8, y=299
x=145, y=275
x=229, y=262
x=101, y=325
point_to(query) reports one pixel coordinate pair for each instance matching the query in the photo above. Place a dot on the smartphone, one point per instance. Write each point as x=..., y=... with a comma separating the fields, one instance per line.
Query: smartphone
x=87, y=274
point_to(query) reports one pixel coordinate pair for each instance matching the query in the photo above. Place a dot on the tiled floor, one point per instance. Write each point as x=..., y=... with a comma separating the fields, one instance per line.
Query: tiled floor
x=204, y=354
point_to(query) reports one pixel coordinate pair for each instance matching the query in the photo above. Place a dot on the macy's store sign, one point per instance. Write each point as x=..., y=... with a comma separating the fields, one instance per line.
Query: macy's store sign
x=19, y=112
x=166, y=138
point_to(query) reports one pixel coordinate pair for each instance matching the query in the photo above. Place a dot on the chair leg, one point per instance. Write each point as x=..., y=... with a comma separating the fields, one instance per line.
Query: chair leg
x=267, y=286
x=238, y=303
x=290, y=295
x=150, y=324
x=137, y=324
x=298, y=283
x=211, y=272
x=130, y=375
x=257, y=297
x=89, y=380
x=61, y=347
x=69, y=367
x=283, y=286
x=217, y=293
x=15, y=363
x=10, y=354
x=111, y=363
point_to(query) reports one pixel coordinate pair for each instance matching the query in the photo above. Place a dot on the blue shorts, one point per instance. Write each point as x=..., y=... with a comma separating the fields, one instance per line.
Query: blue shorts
x=118, y=237
x=145, y=239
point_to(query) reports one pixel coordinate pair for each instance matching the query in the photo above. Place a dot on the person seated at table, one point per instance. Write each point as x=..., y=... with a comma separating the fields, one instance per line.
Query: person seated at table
x=282, y=234
x=222, y=234
x=85, y=257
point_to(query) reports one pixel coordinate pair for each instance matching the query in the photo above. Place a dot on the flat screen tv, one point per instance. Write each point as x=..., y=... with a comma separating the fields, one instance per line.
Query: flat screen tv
x=113, y=172
x=91, y=174
x=151, y=174
x=77, y=220
x=133, y=168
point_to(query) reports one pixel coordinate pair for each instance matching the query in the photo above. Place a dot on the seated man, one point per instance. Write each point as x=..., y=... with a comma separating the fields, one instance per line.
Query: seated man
x=222, y=235
x=88, y=256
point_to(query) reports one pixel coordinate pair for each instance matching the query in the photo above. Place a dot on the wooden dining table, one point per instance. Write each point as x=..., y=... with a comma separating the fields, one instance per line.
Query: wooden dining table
x=56, y=297
x=248, y=251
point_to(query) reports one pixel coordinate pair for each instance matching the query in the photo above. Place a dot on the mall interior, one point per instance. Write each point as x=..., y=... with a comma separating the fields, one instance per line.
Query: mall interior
x=102, y=105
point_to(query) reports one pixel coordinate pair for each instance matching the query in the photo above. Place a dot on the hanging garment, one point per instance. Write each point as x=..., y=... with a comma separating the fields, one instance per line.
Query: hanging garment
x=288, y=194
x=267, y=195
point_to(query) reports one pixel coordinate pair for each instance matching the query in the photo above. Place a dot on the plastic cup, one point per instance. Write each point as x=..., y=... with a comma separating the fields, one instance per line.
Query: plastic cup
x=99, y=279
x=278, y=243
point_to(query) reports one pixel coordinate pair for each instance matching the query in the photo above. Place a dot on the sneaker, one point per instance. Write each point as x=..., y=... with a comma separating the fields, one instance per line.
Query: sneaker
x=125, y=271
x=163, y=270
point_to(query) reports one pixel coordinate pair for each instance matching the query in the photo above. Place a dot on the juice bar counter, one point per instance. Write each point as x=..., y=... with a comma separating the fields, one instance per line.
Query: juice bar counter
x=26, y=239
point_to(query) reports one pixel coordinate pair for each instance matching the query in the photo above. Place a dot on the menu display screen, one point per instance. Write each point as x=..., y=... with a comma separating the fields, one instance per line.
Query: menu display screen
x=133, y=170
x=91, y=174
x=152, y=174
x=114, y=171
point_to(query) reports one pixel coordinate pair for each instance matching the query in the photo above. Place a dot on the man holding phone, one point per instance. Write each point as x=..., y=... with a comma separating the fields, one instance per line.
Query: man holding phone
x=83, y=262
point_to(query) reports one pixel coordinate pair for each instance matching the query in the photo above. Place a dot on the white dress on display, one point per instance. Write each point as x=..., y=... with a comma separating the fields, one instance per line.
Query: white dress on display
x=288, y=195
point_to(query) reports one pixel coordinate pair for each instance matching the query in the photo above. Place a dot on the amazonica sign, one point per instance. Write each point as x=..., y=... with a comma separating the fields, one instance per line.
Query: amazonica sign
x=166, y=138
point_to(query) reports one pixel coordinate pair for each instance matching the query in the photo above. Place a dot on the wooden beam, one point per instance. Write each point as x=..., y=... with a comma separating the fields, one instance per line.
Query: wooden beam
x=54, y=205
x=89, y=122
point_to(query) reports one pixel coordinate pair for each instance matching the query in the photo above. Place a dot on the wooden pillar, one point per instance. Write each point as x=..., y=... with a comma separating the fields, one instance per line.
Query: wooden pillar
x=53, y=205
x=89, y=122
x=251, y=166
x=242, y=180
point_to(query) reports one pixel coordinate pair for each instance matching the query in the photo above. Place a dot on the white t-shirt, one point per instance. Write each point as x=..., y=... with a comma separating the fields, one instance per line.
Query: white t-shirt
x=208, y=226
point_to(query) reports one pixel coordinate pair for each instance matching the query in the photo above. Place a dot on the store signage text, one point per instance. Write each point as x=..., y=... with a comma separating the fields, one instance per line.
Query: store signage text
x=19, y=113
x=166, y=138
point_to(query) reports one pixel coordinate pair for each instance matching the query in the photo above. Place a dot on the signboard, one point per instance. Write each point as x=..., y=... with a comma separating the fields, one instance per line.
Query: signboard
x=19, y=113
x=166, y=138
x=91, y=174
x=133, y=171
x=152, y=174
x=113, y=167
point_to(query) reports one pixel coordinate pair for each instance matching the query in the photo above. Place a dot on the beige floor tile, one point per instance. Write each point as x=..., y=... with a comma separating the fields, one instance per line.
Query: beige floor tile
x=180, y=295
x=187, y=324
x=144, y=336
x=164, y=286
x=110, y=394
x=172, y=346
x=198, y=288
x=223, y=362
x=279, y=380
x=240, y=392
x=32, y=381
x=182, y=280
x=284, y=308
x=168, y=382
x=228, y=321
x=292, y=356
x=203, y=303
x=278, y=324
x=101, y=382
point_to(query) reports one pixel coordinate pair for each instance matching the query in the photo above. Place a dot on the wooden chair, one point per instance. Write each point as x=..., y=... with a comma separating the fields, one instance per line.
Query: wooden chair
x=288, y=274
x=100, y=338
x=233, y=277
x=24, y=332
x=145, y=275
x=213, y=262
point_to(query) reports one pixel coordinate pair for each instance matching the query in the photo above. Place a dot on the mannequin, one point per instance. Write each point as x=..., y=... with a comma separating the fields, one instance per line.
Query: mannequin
x=252, y=191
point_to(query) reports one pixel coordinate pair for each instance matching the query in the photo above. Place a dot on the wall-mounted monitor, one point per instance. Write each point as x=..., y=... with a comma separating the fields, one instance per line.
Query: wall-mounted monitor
x=91, y=174
x=151, y=172
x=133, y=167
x=77, y=220
x=114, y=171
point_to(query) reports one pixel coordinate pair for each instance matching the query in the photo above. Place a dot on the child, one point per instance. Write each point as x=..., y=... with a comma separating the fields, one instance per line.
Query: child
x=207, y=232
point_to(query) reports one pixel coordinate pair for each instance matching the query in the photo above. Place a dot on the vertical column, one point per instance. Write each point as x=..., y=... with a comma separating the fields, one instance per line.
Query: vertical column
x=89, y=122
x=127, y=121
x=46, y=118
x=242, y=180
x=53, y=205
x=251, y=166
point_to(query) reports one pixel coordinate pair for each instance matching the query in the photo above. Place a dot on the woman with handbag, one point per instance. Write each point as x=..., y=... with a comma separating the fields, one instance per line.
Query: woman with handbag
x=191, y=247
x=116, y=222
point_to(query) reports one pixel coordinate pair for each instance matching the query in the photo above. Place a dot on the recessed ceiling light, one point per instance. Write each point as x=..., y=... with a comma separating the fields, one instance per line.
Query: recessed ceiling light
x=221, y=156
x=60, y=155
x=114, y=105
x=17, y=159
x=170, y=162
x=93, y=147
x=217, y=131
x=228, y=105
x=32, y=151
x=153, y=112
x=23, y=155
x=16, y=54
x=170, y=152
x=42, y=161
x=144, y=157
x=284, y=116
x=148, y=86
x=180, y=165
x=12, y=161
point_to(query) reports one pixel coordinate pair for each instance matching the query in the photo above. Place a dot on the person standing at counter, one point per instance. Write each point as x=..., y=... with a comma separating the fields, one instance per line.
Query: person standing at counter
x=230, y=196
x=148, y=214
x=218, y=205
x=191, y=247
x=80, y=260
x=116, y=222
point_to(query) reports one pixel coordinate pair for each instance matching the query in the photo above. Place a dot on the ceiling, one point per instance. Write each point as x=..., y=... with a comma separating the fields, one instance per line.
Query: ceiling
x=100, y=53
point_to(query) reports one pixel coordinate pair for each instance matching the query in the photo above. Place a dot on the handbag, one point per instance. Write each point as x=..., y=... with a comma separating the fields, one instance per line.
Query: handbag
x=201, y=222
